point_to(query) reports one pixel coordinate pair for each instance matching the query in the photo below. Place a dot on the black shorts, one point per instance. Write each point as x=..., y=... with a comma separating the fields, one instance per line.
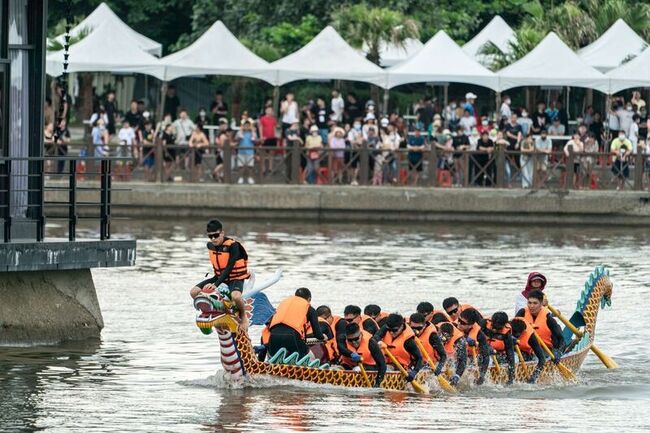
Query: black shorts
x=236, y=285
x=169, y=155
x=198, y=156
x=270, y=142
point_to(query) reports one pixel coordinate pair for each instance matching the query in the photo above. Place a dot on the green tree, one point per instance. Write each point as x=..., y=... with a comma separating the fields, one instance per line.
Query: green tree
x=361, y=25
x=605, y=13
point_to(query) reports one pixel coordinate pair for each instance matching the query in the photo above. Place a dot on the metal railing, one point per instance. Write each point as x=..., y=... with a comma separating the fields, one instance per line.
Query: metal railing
x=47, y=188
x=435, y=167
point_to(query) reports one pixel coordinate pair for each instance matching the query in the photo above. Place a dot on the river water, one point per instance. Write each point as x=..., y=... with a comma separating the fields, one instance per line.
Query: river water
x=154, y=371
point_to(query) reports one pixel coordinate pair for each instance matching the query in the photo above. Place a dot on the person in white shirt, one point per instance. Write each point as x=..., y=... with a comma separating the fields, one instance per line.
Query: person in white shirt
x=625, y=116
x=289, y=111
x=337, y=106
x=633, y=133
x=467, y=122
x=126, y=135
x=183, y=127
x=505, y=111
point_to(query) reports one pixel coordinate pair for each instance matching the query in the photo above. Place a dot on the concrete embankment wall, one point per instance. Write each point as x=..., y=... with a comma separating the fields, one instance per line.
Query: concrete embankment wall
x=389, y=204
x=47, y=307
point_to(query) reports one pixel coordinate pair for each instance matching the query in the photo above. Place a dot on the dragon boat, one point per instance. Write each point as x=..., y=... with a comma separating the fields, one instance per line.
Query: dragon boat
x=239, y=360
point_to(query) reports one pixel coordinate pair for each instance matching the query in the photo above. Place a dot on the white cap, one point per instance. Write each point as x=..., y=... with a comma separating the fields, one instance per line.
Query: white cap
x=369, y=116
x=470, y=95
x=146, y=114
x=384, y=122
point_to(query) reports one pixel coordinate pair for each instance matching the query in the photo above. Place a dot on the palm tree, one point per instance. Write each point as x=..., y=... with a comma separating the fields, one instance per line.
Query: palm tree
x=361, y=25
x=605, y=12
x=526, y=38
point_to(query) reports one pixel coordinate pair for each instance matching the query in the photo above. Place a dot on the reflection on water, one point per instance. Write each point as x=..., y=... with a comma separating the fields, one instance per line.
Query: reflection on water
x=153, y=371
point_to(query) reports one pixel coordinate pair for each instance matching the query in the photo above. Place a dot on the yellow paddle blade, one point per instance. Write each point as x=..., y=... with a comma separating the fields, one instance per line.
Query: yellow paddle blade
x=365, y=375
x=419, y=388
x=566, y=373
x=444, y=384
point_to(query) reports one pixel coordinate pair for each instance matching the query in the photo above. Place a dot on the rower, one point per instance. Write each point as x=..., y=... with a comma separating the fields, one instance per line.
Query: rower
x=375, y=312
x=328, y=323
x=289, y=324
x=438, y=317
x=536, y=281
x=455, y=347
x=363, y=349
x=522, y=332
x=426, y=309
x=399, y=339
x=428, y=336
x=499, y=337
x=453, y=308
x=542, y=321
x=477, y=345
x=230, y=264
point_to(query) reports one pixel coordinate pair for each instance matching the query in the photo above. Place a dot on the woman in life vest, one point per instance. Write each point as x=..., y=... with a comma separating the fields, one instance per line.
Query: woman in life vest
x=352, y=314
x=399, y=339
x=230, y=263
x=536, y=281
x=289, y=324
x=455, y=346
x=499, y=336
x=477, y=344
x=428, y=336
x=542, y=321
x=363, y=349
x=528, y=344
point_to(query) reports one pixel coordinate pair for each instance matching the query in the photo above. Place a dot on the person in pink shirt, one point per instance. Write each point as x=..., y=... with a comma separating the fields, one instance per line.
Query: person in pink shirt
x=268, y=124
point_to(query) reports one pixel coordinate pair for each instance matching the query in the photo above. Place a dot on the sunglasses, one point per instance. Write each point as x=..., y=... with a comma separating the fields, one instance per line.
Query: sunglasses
x=451, y=312
x=214, y=235
x=353, y=339
x=462, y=322
x=393, y=330
x=417, y=328
x=350, y=320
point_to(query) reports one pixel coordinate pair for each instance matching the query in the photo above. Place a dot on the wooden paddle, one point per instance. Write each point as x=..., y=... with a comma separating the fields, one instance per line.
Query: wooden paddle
x=496, y=364
x=364, y=374
x=522, y=360
x=419, y=388
x=609, y=362
x=444, y=384
x=564, y=370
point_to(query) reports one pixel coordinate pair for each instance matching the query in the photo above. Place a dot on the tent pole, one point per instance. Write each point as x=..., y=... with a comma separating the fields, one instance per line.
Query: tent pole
x=386, y=97
x=497, y=100
x=276, y=101
x=566, y=105
x=161, y=104
x=446, y=94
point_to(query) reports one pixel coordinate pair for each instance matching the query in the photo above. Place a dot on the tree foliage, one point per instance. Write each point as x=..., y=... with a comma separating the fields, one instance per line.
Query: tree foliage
x=361, y=25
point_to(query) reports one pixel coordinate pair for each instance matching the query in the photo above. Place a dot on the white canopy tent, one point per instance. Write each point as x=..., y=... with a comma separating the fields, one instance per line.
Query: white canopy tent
x=635, y=73
x=92, y=54
x=552, y=63
x=216, y=52
x=102, y=14
x=391, y=54
x=441, y=60
x=498, y=32
x=612, y=47
x=327, y=57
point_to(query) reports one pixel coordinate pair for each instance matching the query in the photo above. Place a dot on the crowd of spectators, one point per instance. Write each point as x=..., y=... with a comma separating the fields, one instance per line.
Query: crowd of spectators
x=331, y=131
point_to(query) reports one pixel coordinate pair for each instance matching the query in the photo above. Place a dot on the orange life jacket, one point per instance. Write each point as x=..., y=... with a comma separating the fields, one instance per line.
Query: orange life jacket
x=524, y=338
x=424, y=339
x=361, y=319
x=539, y=324
x=330, y=344
x=383, y=315
x=449, y=345
x=442, y=312
x=396, y=346
x=473, y=334
x=464, y=307
x=219, y=257
x=494, y=338
x=293, y=313
x=363, y=350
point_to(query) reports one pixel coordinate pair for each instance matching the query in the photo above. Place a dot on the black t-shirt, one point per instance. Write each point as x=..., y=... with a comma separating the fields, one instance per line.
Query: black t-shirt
x=322, y=116
x=353, y=111
x=134, y=119
x=514, y=130
x=426, y=114
x=171, y=105
x=457, y=141
x=541, y=120
x=109, y=106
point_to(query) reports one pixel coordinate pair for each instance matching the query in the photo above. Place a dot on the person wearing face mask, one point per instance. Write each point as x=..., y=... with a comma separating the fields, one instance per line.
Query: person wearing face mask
x=525, y=122
x=484, y=126
x=625, y=115
x=621, y=147
x=505, y=111
x=451, y=115
x=202, y=119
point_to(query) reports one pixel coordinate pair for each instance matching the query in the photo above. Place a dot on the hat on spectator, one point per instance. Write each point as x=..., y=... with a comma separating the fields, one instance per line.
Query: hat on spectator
x=437, y=117
x=369, y=116
x=470, y=95
x=384, y=122
x=146, y=114
x=339, y=129
x=223, y=120
x=313, y=128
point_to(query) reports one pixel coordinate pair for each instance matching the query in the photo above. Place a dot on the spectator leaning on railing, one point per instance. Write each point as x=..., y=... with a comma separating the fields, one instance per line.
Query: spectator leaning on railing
x=622, y=148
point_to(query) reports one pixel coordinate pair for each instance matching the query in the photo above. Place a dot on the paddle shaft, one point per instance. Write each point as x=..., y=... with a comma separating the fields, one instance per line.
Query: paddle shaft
x=606, y=360
x=364, y=374
x=521, y=359
x=568, y=374
x=441, y=380
x=402, y=370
